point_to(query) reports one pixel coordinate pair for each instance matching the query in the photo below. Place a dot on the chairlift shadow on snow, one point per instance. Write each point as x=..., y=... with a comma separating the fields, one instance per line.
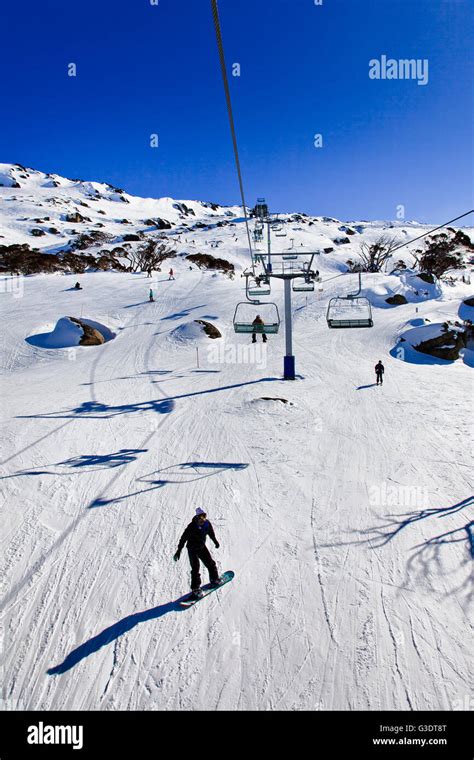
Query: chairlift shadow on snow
x=183, y=313
x=128, y=377
x=94, y=463
x=95, y=410
x=177, y=474
x=114, y=632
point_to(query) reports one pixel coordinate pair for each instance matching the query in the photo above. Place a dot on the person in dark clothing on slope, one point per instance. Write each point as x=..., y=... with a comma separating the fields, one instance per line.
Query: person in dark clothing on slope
x=195, y=539
x=379, y=372
x=259, y=326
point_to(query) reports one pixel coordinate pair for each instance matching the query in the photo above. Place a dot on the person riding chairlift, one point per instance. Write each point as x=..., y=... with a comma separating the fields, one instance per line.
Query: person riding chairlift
x=258, y=323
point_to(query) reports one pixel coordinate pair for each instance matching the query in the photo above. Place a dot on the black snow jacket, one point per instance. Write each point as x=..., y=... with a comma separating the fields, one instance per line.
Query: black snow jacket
x=379, y=368
x=195, y=535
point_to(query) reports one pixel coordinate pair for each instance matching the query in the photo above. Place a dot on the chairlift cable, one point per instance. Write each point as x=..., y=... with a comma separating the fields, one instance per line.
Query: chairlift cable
x=220, y=45
x=430, y=232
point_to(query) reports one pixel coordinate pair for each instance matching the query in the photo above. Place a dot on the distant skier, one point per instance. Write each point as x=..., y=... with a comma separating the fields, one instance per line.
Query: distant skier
x=195, y=539
x=78, y=286
x=171, y=277
x=258, y=324
x=149, y=273
x=379, y=372
x=152, y=297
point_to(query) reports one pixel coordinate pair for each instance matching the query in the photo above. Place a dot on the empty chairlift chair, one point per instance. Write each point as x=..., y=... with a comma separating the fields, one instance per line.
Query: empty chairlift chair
x=303, y=286
x=349, y=311
x=246, y=312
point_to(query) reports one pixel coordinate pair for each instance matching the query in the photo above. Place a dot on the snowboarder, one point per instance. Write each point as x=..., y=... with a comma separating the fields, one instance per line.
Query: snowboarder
x=171, y=275
x=260, y=324
x=78, y=286
x=195, y=539
x=379, y=371
x=152, y=297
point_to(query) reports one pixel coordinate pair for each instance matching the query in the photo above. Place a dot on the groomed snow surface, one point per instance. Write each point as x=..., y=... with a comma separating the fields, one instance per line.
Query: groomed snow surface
x=343, y=513
x=346, y=513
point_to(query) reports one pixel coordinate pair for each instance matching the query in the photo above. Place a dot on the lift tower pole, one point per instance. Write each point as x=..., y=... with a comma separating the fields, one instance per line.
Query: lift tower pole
x=269, y=265
x=289, y=360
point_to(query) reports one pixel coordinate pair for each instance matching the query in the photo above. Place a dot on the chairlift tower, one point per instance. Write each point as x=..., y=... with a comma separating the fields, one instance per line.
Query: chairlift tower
x=276, y=265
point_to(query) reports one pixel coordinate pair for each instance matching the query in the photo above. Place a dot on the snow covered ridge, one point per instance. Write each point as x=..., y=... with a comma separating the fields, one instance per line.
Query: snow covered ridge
x=72, y=225
x=49, y=214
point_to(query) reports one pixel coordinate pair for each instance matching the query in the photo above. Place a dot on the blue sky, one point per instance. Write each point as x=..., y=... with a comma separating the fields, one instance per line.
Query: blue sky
x=145, y=69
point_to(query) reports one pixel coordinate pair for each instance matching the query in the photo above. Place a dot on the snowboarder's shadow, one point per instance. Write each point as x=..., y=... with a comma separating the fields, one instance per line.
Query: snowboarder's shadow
x=114, y=632
x=363, y=387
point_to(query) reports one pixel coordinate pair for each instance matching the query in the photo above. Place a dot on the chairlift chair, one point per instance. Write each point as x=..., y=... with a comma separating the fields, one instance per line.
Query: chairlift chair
x=303, y=286
x=349, y=311
x=246, y=312
x=258, y=287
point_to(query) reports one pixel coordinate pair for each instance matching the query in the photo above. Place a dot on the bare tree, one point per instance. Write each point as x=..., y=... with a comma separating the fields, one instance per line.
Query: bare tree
x=149, y=256
x=375, y=255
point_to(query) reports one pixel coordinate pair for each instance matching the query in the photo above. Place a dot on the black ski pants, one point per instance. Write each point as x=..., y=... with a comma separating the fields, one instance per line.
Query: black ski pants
x=379, y=377
x=195, y=556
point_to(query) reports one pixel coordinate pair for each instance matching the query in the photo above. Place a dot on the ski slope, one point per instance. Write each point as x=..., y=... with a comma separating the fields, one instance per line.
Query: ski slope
x=346, y=513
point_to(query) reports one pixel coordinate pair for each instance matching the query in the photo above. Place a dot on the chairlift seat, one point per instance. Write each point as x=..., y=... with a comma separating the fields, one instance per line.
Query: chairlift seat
x=303, y=286
x=259, y=290
x=246, y=312
x=349, y=312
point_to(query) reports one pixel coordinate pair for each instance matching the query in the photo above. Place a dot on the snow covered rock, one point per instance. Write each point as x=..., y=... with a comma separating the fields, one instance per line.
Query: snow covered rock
x=70, y=332
x=193, y=332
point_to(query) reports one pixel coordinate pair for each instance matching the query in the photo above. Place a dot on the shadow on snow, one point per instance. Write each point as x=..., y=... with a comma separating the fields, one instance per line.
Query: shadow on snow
x=114, y=632
x=183, y=473
x=94, y=410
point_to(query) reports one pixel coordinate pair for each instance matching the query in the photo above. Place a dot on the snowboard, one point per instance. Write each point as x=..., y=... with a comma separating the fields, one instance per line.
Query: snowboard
x=225, y=577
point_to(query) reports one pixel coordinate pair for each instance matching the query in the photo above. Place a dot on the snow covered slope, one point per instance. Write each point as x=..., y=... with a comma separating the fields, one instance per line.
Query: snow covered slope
x=344, y=509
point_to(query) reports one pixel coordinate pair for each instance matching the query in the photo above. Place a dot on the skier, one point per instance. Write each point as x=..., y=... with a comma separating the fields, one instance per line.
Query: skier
x=195, y=539
x=78, y=286
x=171, y=275
x=258, y=323
x=379, y=371
x=150, y=273
x=152, y=297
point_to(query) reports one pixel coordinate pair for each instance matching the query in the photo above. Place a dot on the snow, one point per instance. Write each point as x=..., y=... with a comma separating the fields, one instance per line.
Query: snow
x=64, y=335
x=188, y=332
x=345, y=513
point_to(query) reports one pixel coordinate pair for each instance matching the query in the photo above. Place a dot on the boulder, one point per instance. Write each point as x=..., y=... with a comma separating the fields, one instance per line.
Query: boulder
x=210, y=329
x=91, y=337
x=396, y=300
x=446, y=346
x=76, y=218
